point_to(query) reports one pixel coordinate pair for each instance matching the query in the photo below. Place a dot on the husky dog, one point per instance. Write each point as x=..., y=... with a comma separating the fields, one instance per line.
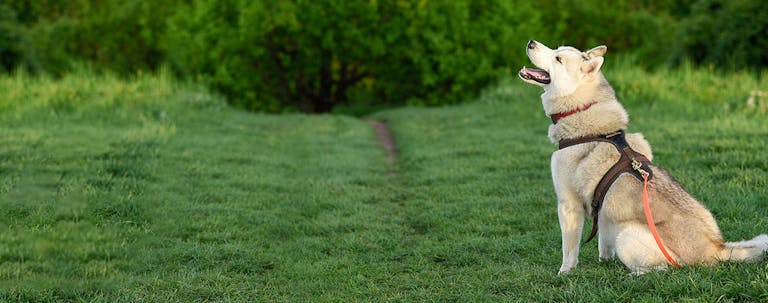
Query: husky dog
x=582, y=104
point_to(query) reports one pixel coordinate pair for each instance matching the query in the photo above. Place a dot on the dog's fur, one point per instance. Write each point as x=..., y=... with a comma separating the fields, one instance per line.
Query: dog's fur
x=572, y=78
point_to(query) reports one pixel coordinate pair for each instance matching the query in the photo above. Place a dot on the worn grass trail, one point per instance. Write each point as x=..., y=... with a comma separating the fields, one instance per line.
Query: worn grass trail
x=151, y=190
x=148, y=190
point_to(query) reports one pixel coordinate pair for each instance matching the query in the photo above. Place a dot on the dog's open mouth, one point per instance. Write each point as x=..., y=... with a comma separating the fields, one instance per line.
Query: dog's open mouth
x=538, y=75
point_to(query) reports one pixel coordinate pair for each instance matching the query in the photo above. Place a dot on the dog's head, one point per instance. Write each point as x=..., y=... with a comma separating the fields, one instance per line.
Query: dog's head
x=561, y=71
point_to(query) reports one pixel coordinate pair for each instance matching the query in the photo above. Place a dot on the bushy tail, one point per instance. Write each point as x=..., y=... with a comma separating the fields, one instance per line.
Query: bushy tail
x=749, y=250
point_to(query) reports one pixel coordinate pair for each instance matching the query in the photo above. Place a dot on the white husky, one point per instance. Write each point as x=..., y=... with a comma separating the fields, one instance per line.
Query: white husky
x=583, y=105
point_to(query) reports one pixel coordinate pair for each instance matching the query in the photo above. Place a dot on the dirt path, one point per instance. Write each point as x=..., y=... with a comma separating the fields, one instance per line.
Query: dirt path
x=387, y=141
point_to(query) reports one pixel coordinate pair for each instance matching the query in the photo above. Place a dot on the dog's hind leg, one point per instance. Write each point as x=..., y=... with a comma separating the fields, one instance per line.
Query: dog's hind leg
x=637, y=249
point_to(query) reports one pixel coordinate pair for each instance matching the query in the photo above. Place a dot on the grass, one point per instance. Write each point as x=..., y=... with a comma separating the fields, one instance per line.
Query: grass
x=152, y=190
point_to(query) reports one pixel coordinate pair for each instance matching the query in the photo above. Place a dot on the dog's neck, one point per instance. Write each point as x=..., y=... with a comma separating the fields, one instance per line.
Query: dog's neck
x=605, y=116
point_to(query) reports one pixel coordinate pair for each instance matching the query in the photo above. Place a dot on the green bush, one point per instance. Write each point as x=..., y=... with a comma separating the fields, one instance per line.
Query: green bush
x=14, y=42
x=118, y=35
x=361, y=55
x=640, y=28
x=313, y=55
x=731, y=34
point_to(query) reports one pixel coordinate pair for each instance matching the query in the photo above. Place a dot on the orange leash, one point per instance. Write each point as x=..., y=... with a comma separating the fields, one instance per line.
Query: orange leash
x=651, y=225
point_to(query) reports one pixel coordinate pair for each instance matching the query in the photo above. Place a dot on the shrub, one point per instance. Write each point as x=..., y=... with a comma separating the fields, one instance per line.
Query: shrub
x=625, y=26
x=119, y=35
x=313, y=55
x=731, y=34
x=316, y=55
x=14, y=42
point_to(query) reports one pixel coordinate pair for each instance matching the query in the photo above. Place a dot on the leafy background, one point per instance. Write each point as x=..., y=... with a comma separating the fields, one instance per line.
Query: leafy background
x=359, y=56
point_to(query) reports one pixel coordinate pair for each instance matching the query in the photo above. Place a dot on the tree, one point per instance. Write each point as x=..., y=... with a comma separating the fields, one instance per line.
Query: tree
x=313, y=55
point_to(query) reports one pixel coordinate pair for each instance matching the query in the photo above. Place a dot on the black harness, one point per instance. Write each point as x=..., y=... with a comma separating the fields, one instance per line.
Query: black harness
x=631, y=162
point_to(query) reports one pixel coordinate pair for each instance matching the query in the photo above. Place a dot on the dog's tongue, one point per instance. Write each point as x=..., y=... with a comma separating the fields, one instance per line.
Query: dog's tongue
x=538, y=75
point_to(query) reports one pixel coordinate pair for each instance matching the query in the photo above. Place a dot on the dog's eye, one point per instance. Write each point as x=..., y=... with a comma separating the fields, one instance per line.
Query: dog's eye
x=559, y=59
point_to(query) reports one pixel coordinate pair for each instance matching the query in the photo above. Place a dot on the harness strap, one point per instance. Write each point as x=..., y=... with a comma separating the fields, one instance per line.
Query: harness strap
x=630, y=161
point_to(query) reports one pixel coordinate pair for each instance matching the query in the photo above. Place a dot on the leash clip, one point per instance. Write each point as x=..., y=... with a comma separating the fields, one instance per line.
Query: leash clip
x=637, y=166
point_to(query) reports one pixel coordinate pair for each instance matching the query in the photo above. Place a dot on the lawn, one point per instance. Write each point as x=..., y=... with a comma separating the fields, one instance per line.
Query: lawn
x=149, y=189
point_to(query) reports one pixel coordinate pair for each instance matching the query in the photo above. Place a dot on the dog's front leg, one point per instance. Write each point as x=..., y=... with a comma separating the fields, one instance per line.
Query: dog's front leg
x=571, y=216
x=606, y=238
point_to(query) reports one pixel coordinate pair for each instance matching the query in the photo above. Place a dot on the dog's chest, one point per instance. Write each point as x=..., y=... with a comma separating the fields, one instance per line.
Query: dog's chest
x=576, y=170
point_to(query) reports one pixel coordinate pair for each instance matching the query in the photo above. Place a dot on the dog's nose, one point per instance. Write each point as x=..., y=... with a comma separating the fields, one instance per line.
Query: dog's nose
x=531, y=44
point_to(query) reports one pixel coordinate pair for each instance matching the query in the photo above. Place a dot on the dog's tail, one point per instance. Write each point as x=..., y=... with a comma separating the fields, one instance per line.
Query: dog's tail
x=749, y=250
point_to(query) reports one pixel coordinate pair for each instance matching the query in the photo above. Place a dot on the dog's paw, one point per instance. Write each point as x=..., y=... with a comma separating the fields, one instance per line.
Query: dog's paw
x=567, y=265
x=564, y=270
x=639, y=271
x=606, y=253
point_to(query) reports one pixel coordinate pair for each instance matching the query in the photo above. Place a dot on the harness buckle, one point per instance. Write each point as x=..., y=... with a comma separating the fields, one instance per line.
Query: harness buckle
x=637, y=166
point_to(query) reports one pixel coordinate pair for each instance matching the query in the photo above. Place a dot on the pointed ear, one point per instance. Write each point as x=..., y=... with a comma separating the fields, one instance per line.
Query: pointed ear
x=597, y=51
x=592, y=65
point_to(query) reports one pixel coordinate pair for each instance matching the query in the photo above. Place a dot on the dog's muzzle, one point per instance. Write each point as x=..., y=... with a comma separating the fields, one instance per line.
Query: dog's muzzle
x=534, y=74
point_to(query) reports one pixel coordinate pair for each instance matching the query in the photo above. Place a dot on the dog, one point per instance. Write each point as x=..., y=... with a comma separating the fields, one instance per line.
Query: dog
x=583, y=104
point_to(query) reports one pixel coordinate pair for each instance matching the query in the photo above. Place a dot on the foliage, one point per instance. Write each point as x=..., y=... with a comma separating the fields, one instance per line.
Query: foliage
x=733, y=34
x=625, y=26
x=355, y=56
x=14, y=50
x=313, y=55
x=121, y=36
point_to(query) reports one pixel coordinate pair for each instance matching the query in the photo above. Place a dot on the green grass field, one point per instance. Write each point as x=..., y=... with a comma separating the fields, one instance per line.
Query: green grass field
x=151, y=190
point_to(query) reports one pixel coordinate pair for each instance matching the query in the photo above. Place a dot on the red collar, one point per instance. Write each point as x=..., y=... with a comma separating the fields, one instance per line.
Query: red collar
x=558, y=116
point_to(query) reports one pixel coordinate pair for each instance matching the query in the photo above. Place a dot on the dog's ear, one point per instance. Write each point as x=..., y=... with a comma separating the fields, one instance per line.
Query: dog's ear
x=597, y=51
x=592, y=65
